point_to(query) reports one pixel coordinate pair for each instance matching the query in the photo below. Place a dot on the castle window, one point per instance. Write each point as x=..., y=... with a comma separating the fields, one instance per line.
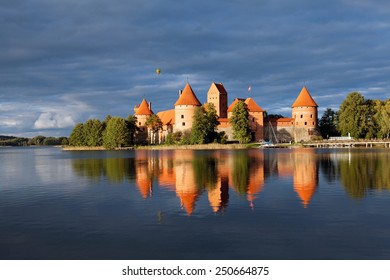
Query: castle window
x=301, y=116
x=311, y=116
x=182, y=116
x=305, y=123
x=139, y=123
x=313, y=123
x=183, y=124
x=253, y=119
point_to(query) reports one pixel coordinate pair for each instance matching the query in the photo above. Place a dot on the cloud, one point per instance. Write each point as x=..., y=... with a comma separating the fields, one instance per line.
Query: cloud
x=90, y=58
x=48, y=120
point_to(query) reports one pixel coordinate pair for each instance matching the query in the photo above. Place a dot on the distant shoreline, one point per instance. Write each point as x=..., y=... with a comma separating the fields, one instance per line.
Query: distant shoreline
x=167, y=147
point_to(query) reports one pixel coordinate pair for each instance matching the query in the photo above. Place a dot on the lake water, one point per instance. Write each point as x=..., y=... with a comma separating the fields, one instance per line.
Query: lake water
x=185, y=204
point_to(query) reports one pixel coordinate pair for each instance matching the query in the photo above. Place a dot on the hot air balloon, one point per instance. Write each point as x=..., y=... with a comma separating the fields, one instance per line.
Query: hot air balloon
x=158, y=71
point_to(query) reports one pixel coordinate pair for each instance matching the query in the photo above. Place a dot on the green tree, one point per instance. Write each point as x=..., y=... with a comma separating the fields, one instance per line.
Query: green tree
x=132, y=126
x=116, y=133
x=382, y=118
x=240, y=122
x=212, y=122
x=37, y=140
x=205, y=121
x=199, y=127
x=93, y=133
x=154, y=124
x=328, y=124
x=353, y=116
x=76, y=138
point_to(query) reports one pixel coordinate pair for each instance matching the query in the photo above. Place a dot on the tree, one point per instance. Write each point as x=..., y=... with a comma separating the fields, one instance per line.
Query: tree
x=205, y=121
x=385, y=119
x=132, y=126
x=212, y=122
x=93, y=133
x=382, y=118
x=37, y=140
x=199, y=126
x=240, y=122
x=328, y=124
x=76, y=138
x=116, y=133
x=154, y=124
x=352, y=116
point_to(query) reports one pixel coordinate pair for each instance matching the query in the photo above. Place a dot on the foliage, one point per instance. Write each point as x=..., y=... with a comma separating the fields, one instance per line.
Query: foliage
x=76, y=138
x=132, y=126
x=13, y=141
x=154, y=124
x=204, y=125
x=328, y=124
x=382, y=118
x=93, y=133
x=240, y=123
x=353, y=116
x=37, y=140
x=116, y=133
x=364, y=118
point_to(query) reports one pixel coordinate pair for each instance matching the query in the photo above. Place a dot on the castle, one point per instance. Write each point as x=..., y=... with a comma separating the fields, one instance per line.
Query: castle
x=302, y=125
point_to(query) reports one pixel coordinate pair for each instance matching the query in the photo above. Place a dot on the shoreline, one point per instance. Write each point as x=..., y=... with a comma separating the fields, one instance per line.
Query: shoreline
x=167, y=147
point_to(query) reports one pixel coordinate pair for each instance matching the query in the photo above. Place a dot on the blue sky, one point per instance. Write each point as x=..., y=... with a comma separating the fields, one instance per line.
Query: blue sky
x=62, y=62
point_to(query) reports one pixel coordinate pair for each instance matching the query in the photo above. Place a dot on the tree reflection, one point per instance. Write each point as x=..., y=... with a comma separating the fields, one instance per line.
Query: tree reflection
x=361, y=172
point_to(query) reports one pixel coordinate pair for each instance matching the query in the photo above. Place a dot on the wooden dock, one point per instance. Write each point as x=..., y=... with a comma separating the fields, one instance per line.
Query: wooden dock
x=346, y=144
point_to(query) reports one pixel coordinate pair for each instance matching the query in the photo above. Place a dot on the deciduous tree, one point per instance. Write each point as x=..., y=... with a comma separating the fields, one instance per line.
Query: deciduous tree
x=154, y=124
x=116, y=134
x=328, y=124
x=240, y=122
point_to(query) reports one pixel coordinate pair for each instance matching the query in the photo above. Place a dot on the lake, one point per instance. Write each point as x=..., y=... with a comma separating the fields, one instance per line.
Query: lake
x=195, y=204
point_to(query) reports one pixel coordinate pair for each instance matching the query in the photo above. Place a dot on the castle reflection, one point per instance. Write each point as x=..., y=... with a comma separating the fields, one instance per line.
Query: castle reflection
x=218, y=173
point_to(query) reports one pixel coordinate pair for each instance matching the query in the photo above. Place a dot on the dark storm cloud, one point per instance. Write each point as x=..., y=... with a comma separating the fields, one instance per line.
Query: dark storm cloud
x=62, y=62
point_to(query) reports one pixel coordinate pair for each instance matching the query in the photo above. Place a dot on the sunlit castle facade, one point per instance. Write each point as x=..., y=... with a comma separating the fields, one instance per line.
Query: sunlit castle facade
x=301, y=126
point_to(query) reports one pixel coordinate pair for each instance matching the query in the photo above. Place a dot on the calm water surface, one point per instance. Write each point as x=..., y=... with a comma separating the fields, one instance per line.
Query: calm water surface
x=183, y=204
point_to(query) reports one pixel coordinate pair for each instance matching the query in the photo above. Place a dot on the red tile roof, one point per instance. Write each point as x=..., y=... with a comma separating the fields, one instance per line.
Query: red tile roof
x=143, y=108
x=252, y=105
x=167, y=117
x=304, y=99
x=220, y=88
x=231, y=107
x=188, y=97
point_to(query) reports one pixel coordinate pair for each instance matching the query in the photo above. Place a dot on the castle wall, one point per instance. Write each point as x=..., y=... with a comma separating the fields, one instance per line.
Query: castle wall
x=256, y=121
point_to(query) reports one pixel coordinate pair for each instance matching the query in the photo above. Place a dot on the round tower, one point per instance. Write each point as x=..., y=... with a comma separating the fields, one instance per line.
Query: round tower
x=143, y=112
x=304, y=113
x=185, y=109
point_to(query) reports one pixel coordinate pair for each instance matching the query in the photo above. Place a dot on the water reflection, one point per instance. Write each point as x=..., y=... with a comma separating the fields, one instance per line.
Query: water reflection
x=359, y=171
x=246, y=173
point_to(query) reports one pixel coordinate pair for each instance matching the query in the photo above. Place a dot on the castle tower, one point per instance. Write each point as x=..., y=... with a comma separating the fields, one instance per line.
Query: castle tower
x=185, y=108
x=304, y=113
x=217, y=95
x=305, y=174
x=142, y=112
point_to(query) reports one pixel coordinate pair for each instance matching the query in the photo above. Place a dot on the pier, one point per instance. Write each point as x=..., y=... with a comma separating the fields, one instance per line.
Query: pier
x=343, y=144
